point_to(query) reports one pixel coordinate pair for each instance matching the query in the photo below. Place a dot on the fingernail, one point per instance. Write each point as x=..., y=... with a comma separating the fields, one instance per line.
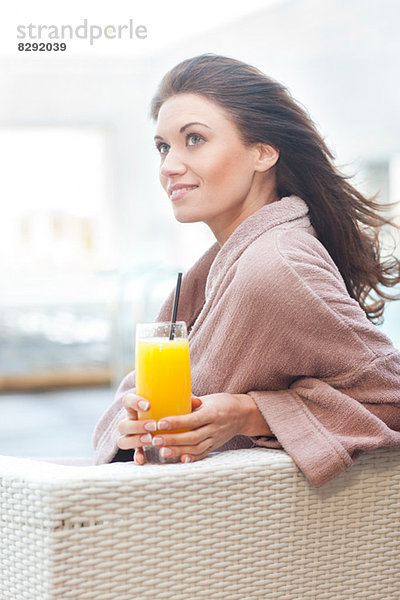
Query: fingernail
x=157, y=441
x=163, y=425
x=152, y=426
x=144, y=405
x=165, y=452
x=146, y=439
x=187, y=459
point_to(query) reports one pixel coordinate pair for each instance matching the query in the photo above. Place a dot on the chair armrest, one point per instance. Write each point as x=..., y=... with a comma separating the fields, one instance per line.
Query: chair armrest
x=238, y=524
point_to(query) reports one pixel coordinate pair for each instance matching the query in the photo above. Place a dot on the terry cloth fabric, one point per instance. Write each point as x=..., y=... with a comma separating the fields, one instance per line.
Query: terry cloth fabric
x=269, y=315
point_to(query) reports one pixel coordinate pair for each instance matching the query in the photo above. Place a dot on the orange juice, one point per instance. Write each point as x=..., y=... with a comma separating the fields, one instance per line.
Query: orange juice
x=163, y=376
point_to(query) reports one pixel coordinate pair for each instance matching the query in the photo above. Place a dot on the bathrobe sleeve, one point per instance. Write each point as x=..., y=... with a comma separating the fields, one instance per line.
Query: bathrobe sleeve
x=342, y=373
x=106, y=433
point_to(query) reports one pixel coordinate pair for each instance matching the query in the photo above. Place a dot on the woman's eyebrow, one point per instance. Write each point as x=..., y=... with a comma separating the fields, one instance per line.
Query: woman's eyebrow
x=182, y=129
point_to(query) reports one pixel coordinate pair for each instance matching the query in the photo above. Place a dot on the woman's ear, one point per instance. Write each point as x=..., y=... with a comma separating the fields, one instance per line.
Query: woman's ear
x=266, y=157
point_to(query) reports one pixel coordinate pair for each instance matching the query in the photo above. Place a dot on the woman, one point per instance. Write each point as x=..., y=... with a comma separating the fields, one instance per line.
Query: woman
x=284, y=351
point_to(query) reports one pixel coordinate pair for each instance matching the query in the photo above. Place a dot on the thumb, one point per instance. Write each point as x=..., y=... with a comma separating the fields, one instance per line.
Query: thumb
x=196, y=403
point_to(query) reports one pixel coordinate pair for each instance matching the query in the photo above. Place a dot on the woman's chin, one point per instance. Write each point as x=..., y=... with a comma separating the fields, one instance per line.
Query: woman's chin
x=186, y=216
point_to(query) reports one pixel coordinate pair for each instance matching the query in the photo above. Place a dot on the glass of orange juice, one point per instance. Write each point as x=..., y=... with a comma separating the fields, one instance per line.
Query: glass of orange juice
x=162, y=372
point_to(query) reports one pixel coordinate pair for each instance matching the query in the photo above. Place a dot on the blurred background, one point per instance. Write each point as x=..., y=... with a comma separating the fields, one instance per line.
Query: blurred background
x=88, y=242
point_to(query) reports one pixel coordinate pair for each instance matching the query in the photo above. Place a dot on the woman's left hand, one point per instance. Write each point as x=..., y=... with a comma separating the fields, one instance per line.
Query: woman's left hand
x=217, y=419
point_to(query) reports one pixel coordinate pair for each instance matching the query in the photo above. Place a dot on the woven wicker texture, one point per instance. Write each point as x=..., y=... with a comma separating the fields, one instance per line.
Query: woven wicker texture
x=238, y=525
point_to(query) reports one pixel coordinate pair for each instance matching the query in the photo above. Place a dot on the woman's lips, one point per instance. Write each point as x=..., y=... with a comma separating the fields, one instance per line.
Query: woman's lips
x=178, y=194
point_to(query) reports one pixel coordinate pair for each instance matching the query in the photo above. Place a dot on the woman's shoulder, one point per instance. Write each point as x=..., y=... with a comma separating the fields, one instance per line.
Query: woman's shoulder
x=292, y=270
x=292, y=251
x=287, y=277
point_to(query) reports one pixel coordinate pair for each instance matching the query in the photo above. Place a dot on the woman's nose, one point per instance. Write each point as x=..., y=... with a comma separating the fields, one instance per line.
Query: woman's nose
x=172, y=164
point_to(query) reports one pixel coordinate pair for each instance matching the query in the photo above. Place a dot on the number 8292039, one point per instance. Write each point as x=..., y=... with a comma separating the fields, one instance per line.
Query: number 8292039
x=42, y=46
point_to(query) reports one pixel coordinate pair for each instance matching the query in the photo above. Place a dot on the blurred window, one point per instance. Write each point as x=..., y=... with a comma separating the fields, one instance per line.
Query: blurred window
x=54, y=188
x=56, y=253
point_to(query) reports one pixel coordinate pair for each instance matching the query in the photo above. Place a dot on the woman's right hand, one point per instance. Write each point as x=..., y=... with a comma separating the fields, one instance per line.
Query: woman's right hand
x=135, y=433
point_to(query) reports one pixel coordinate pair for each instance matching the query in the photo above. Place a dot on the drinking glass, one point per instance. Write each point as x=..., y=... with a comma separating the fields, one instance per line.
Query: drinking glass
x=162, y=371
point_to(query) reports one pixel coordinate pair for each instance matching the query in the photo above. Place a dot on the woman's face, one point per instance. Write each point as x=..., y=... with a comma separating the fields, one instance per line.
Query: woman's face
x=200, y=147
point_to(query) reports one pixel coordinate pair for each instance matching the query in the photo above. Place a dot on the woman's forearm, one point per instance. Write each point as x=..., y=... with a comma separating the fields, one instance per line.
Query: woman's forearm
x=253, y=421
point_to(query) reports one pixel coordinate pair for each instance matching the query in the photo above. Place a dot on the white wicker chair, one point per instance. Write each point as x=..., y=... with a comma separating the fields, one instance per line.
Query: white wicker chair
x=240, y=525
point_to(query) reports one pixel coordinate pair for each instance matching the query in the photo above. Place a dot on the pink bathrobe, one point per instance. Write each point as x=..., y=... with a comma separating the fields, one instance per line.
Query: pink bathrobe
x=269, y=315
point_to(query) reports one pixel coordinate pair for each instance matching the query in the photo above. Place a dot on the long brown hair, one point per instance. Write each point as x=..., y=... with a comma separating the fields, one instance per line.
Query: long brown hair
x=346, y=222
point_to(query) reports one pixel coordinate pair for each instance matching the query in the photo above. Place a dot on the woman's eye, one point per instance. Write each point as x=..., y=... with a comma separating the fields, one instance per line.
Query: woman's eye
x=194, y=135
x=160, y=146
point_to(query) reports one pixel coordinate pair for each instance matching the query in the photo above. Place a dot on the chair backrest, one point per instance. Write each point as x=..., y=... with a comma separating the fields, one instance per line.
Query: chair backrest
x=239, y=525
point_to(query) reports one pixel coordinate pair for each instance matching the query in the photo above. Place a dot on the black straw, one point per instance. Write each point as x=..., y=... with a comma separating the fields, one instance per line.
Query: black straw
x=175, y=309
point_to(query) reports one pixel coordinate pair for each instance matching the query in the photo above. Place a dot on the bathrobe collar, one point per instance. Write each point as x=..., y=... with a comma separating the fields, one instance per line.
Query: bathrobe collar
x=267, y=217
